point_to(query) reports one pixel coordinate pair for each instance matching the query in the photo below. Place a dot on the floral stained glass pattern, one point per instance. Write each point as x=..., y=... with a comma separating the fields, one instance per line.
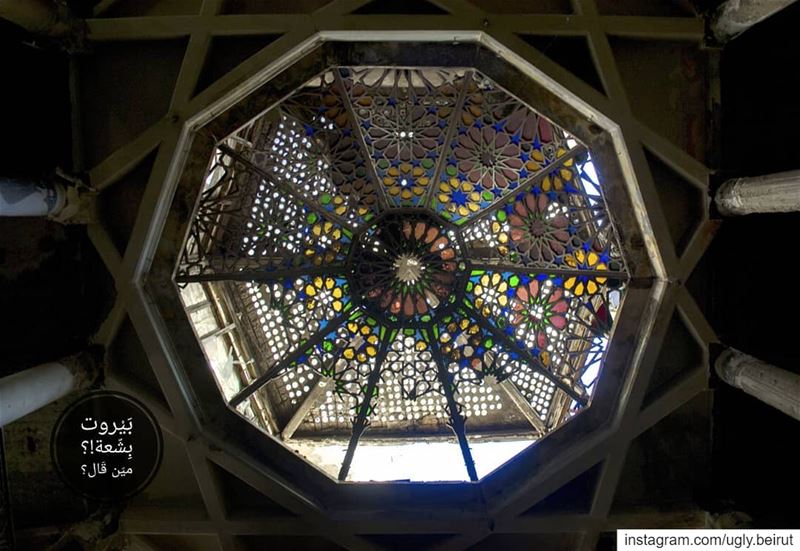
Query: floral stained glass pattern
x=539, y=227
x=587, y=283
x=411, y=249
x=560, y=222
x=537, y=307
x=469, y=346
x=499, y=146
x=410, y=359
x=546, y=319
x=404, y=115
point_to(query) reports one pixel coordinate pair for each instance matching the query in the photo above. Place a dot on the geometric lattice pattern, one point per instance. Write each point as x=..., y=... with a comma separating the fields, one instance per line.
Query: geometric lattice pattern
x=411, y=249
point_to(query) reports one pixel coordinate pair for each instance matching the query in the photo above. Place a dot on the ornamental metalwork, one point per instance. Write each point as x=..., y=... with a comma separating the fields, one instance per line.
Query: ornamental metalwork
x=395, y=243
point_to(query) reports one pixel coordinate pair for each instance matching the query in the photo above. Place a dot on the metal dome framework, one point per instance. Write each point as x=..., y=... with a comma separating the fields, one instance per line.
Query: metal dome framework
x=415, y=232
x=236, y=443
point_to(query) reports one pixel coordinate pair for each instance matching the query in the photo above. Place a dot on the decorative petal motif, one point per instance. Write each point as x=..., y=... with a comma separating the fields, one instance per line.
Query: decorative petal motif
x=585, y=284
x=410, y=360
x=469, y=346
x=404, y=115
x=358, y=342
x=544, y=315
x=500, y=144
x=548, y=225
x=347, y=355
x=539, y=227
x=530, y=311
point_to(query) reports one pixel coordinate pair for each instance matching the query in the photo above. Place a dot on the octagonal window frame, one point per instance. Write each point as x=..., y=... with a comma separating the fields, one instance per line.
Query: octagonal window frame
x=219, y=424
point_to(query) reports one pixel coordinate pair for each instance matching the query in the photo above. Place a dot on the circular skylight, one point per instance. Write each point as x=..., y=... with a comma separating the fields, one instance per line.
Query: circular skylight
x=409, y=251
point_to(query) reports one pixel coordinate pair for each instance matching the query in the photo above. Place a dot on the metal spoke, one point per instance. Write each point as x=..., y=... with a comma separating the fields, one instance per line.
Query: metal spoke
x=536, y=270
x=457, y=422
x=368, y=161
x=532, y=362
x=527, y=184
x=275, y=370
x=288, y=190
x=262, y=276
x=451, y=129
x=360, y=424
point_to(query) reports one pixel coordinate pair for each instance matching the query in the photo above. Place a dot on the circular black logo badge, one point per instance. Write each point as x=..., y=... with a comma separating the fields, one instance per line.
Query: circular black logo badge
x=107, y=446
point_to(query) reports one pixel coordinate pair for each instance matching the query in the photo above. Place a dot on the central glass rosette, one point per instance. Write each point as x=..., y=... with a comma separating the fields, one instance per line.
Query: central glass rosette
x=407, y=266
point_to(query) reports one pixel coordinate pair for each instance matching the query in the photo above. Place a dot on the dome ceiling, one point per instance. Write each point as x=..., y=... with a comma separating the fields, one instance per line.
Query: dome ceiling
x=410, y=251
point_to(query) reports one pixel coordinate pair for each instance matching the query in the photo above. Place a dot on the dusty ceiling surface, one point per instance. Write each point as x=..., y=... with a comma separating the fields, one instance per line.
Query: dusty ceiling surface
x=212, y=68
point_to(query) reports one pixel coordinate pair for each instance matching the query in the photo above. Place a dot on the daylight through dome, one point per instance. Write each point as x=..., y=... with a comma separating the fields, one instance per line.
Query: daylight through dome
x=396, y=271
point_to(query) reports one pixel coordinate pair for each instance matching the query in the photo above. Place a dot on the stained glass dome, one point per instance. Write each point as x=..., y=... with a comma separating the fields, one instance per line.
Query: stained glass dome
x=397, y=257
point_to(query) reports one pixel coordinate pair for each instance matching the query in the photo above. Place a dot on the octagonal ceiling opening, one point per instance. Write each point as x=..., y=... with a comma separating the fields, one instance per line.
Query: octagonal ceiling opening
x=403, y=273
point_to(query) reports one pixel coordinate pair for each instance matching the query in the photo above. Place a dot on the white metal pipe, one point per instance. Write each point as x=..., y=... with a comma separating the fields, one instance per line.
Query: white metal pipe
x=37, y=16
x=772, y=385
x=30, y=198
x=25, y=392
x=760, y=194
x=736, y=16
